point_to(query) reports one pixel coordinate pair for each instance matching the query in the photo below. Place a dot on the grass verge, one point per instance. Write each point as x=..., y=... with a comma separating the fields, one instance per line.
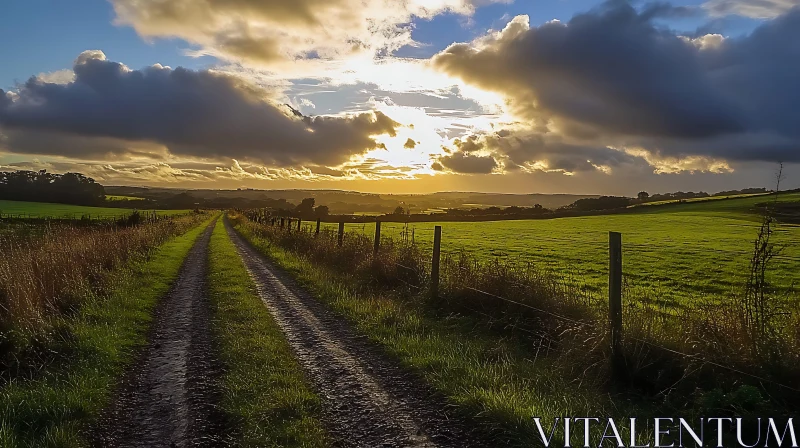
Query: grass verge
x=492, y=380
x=56, y=407
x=264, y=391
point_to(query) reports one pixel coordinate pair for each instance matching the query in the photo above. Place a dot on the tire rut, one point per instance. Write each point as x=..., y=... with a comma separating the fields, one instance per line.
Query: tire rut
x=168, y=398
x=368, y=400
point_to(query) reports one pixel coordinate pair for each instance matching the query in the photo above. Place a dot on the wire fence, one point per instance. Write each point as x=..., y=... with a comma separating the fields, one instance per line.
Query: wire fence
x=433, y=263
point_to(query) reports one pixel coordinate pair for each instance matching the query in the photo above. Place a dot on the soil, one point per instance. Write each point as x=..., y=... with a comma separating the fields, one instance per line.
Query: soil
x=168, y=399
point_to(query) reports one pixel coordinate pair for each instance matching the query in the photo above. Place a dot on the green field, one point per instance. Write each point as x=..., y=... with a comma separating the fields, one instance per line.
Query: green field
x=50, y=210
x=671, y=255
x=112, y=197
x=709, y=198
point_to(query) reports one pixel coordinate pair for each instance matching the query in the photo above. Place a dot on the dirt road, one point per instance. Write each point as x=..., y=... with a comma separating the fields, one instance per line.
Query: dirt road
x=368, y=400
x=168, y=399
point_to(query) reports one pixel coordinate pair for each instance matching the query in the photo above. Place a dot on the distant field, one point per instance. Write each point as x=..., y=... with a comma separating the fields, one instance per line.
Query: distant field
x=45, y=209
x=672, y=254
x=112, y=197
x=706, y=199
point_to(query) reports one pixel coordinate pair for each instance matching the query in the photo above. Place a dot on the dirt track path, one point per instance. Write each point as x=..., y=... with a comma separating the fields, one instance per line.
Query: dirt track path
x=368, y=400
x=168, y=398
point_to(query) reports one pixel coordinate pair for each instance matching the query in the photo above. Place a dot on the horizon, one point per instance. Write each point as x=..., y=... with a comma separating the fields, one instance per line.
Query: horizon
x=420, y=194
x=606, y=97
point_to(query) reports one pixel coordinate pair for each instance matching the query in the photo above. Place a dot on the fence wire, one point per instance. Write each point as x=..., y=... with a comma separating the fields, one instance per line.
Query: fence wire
x=582, y=323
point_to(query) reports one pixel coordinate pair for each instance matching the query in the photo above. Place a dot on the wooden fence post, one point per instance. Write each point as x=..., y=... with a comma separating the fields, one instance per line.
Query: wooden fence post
x=437, y=245
x=281, y=223
x=615, y=302
x=341, y=233
x=318, y=222
x=377, y=236
x=299, y=223
x=273, y=222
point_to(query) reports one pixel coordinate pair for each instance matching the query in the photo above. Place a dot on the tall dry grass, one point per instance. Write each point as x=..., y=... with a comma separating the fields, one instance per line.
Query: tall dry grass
x=47, y=270
x=667, y=351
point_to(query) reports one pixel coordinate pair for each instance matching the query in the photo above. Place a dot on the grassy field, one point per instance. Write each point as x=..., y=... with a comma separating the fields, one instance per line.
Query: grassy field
x=50, y=210
x=671, y=255
x=705, y=199
x=54, y=407
x=112, y=197
x=265, y=393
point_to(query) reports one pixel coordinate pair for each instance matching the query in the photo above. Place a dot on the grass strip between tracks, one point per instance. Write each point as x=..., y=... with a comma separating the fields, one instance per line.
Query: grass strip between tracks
x=488, y=379
x=58, y=406
x=264, y=391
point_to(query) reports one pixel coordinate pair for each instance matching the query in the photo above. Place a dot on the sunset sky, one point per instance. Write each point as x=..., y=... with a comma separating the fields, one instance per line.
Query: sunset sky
x=404, y=96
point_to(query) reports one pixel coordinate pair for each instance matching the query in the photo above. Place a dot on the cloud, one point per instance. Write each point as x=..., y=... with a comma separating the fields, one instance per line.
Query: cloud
x=43, y=142
x=57, y=77
x=460, y=162
x=665, y=10
x=198, y=114
x=533, y=151
x=274, y=32
x=611, y=78
x=527, y=150
x=758, y=9
x=308, y=103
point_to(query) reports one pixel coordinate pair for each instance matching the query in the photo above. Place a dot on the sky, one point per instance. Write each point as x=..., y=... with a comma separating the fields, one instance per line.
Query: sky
x=405, y=96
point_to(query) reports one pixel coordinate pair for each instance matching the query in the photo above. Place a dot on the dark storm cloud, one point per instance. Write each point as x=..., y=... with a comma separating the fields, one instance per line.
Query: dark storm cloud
x=5, y=99
x=521, y=149
x=468, y=144
x=664, y=10
x=518, y=149
x=76, y=146
x=192, y=113
x=460, y=162
x=613, y=77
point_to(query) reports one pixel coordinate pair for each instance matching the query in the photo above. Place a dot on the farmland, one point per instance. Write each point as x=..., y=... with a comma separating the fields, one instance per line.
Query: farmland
x=51, y=210
x=690, y=260
x=672, y=254
x=703, y=199
x=498, y=343
x=111, y=197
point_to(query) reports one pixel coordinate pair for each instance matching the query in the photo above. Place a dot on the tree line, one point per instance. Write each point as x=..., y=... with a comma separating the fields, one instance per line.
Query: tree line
x=41, y=186
x=615, y=202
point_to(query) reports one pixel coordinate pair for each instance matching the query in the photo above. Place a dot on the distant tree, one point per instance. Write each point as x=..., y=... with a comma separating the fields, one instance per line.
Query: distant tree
x=399, y=211
x=306, y=207
x=643, y=195
x=742, y=191
x=41, y=186
x=322, y=211
x=180, y=201
x=601, y=203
